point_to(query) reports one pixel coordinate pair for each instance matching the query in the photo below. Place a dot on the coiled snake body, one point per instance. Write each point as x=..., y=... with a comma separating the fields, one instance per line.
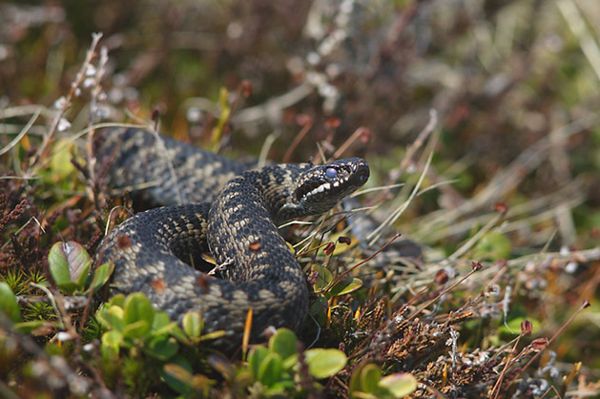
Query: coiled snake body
x=234, y=212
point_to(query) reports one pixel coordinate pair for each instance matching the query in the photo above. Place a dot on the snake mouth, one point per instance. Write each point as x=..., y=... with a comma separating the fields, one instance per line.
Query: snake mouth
x=333, y=180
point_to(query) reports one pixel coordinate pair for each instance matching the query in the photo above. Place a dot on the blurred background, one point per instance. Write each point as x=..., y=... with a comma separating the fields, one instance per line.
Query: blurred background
x=501, y=75
x=511, y=89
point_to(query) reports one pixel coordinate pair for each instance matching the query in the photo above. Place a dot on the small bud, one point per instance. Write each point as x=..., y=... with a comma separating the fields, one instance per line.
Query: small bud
x=539, y=344
x=441, y=277
x=476, y=266
x=526, y=327
x=501, y=207
x=329, y=248
x=344, y=240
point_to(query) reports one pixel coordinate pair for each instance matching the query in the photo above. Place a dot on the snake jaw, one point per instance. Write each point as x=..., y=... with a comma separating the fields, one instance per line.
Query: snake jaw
x=322, y=186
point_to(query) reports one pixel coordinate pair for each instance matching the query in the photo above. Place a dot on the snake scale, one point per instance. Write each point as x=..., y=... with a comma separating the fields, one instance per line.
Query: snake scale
x=231, y=210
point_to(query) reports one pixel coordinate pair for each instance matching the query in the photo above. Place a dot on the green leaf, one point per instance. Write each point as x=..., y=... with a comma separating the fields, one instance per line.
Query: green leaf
x=278, y=388
x=69, y=265
x=111, y=343
x=513, y=326
x=255, y=359
x=192, y=324
x=355, y=384
x=318, y=309
x=113, y=339
x=284, y=343
x=324, y=277
x=270, y=369
x=213, y=335
x=370, y=376
x=178, y=376
x=111, y=317
x=177, y=333
x=117, y=300
x=101, y=275
x=323, y=363
x=493, y=246
x=60, y=160
x=400, y=384
x=8, y=303
x=138, y=315
x=225, y=109
x=162, y=324
x=162, y=348
x=137, y=329
x=27, y=327
x=346, y=286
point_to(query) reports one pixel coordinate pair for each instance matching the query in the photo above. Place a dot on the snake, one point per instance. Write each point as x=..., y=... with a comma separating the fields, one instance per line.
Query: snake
x=229, y=209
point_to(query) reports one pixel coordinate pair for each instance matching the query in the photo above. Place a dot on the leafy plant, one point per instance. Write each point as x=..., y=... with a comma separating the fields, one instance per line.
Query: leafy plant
x=132, y=322
x=70, y=264
x=276, y=367
x=145, y=334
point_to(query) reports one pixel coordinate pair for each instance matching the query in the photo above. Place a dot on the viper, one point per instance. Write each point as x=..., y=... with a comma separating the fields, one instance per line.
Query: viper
x=230, y=209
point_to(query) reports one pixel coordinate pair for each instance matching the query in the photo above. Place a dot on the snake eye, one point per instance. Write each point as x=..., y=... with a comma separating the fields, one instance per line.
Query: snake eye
x=331, y=173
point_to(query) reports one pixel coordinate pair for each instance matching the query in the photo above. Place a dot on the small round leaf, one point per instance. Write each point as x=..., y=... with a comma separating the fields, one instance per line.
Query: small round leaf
x=284, y=343
x=370, y=376
x=346, y=286
x=69, y=265
x=101, y=275
x=138, y=315
x=192, y=324
x=324, y=277
x=269, y=371
x=255, y=359
x=161, y=348
x=8, y=303
x=400, y=384
x=323, y=363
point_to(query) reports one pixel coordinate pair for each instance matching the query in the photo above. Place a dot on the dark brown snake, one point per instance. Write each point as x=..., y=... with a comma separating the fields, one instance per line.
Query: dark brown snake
x=230, y=210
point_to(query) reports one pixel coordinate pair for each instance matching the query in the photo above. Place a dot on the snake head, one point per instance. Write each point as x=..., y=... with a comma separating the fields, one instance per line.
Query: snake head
x=320, y=187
